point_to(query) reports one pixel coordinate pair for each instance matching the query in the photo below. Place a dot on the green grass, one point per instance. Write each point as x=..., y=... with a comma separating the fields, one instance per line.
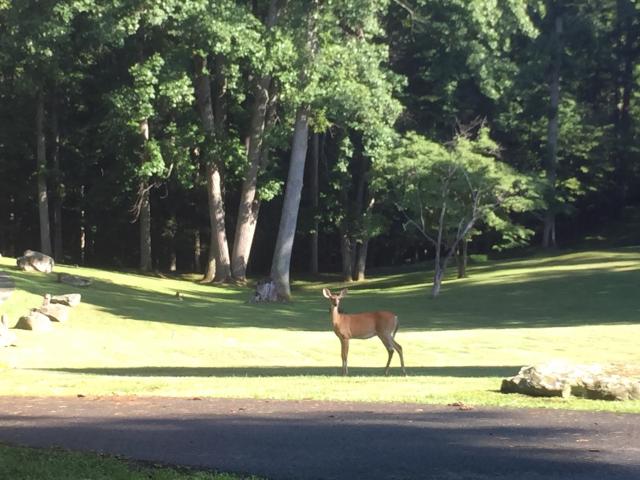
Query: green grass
x=22, y=463
x=131, y=336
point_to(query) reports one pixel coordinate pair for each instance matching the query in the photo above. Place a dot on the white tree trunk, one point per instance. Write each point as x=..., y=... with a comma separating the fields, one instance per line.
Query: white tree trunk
x=217, y=220
x=437, y=281
x=288, y=220
x=219, y=264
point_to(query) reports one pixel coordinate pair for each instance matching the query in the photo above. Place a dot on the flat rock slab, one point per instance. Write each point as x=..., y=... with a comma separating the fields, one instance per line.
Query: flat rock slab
x=560, y=379
x=70, y=299
x=333, y=440
x=6, y=286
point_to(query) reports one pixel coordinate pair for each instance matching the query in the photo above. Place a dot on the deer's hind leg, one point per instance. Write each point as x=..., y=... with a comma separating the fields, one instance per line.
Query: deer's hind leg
x=397, y=346
x=391, y=346
x=388, y=344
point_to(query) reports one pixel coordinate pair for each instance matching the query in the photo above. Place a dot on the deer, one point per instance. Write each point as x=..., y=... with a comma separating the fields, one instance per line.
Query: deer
x=362, y=326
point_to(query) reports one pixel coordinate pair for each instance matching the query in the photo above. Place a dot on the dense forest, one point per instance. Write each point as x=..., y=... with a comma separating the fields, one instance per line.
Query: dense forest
x=237, y=137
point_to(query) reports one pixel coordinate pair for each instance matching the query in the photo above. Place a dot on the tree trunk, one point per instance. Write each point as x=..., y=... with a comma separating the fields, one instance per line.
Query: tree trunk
x=360, y=215
x=144, y=218
x=461, y=258
x=437, y=280
x=171, y=231
x=197, y=251
x=83, y=230
x=58, y=196
x=43, y=200
x=287, y=229
x=347, y=253
x=173, y=259
x=218, y=265
x=441, y=264
x=315, y=158
x=549, y=235
x=202, y=88
x=625, y=52
x=362, y=260
x=249, y=207
x=217, y=221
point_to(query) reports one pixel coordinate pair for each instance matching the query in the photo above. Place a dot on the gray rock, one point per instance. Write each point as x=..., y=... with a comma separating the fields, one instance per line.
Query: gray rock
x=70, y=299
x=613, y=387
x=56, y=312
x=36, y=321
x=536, y=382
x=266, y=291
x=35, y=261
x=7, y=338
x=559, y=379
x=74, y=280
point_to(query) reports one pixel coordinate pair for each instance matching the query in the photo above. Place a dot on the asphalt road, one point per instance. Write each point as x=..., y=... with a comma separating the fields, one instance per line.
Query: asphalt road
x=333, y=440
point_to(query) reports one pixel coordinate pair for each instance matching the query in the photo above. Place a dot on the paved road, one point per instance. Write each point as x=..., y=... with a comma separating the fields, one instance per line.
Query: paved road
x=318, y=440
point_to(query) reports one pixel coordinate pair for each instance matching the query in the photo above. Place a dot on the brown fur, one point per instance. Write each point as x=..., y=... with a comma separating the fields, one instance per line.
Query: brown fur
x=382, y=324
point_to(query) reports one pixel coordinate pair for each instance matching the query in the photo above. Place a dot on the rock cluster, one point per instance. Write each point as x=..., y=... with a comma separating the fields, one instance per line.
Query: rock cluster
x=53, y=309
x=35, y=321
x=559, y=379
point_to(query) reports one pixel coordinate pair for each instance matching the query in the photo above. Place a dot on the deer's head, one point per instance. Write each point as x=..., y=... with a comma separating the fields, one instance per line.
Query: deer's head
x=334, y=300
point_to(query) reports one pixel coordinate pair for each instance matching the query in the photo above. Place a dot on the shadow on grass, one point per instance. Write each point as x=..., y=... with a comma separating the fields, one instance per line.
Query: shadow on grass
x=459, y=371
x=536, y=299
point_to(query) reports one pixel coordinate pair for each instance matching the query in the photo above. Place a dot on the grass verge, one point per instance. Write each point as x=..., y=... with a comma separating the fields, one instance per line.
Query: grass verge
x=25, y=463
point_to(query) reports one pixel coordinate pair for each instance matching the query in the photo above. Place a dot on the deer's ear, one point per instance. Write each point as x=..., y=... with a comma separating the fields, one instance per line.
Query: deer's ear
x=343, y=292
x=326, y=292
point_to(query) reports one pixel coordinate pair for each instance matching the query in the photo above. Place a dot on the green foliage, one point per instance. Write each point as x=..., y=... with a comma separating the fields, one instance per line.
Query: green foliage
x=447, y=190
x=370, y=71
x=153, y=162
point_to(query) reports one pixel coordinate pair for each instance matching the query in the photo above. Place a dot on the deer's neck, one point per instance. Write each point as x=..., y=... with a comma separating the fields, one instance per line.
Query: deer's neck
x=335, y=315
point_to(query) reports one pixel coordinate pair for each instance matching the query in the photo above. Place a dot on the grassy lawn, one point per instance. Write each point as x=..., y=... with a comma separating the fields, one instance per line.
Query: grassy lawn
x=21, y=463
x=132, y=336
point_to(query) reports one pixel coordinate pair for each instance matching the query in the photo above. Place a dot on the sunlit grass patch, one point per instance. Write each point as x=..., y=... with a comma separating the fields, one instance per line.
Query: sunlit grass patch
x=131, y=335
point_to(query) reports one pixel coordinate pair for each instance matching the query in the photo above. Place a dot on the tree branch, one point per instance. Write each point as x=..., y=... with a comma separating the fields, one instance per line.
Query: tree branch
x=410, y=221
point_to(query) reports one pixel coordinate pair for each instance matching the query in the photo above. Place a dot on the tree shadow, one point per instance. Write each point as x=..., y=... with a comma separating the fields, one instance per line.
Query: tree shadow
x=554, y=298
x=170, y=371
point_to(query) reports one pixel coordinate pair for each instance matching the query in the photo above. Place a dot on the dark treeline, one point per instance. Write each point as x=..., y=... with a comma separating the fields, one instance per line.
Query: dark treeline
x=207, y=136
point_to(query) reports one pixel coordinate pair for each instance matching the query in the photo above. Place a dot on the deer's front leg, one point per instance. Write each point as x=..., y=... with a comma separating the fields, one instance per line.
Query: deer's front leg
x=345, y=353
